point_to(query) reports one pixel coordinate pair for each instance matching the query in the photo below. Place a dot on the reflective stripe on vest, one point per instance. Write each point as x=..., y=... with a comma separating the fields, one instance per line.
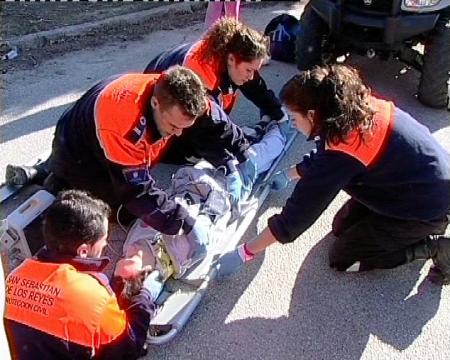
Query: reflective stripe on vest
x=63, y=302
x=368, y=149
x=209, y=74
x=121, y=126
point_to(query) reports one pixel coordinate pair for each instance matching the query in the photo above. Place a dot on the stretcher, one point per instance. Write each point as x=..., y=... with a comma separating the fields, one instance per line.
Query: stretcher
x=181, y=296
x=23, y=207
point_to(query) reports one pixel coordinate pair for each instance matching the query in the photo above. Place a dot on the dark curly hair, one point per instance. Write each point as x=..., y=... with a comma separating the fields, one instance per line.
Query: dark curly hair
x=337, y=95
x=74, y=218
x=180, y=86
x=229, y=36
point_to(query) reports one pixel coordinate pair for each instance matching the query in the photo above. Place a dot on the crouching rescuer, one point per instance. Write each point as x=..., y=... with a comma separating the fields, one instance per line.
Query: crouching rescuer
x=59, y=304
x=396, y=173
x=108, y=141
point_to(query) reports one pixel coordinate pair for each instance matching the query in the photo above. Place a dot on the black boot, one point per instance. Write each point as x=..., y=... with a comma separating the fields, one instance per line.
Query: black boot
x=440, y=272
x=19, y=175
x=421, y=251
x=437, y=248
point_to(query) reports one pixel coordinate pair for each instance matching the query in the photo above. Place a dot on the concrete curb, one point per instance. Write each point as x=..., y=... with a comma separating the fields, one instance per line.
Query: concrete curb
x=44, y=38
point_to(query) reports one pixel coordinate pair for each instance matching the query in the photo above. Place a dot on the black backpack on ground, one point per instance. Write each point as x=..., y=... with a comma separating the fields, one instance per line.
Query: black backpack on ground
x=282, y=31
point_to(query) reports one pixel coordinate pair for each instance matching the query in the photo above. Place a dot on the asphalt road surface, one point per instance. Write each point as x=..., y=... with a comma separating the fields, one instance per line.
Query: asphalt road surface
x=287, y=304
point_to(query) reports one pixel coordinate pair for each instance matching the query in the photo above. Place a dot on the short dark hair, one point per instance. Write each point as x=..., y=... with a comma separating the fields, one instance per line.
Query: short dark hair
x=180, y=86
x=74, y=218
x=338, y=96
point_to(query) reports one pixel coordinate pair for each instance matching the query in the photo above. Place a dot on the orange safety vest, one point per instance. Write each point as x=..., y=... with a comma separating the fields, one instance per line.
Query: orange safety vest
x=120, y=122
x=63, y=302
x=209, y=73
x=371, y=146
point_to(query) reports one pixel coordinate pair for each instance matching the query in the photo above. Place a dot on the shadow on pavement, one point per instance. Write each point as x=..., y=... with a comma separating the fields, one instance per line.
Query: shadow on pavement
x=332, y=314
x=29, y=124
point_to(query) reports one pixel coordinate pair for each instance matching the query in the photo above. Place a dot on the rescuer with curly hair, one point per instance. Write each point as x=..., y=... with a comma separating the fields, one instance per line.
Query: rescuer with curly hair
x=395, y=172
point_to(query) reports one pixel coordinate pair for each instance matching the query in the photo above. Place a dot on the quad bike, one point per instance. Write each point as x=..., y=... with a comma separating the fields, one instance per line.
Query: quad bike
x=385, y=28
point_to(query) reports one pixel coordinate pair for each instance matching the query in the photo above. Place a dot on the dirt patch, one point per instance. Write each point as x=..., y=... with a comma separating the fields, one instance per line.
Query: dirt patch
x=18, y=19
x=37, y=17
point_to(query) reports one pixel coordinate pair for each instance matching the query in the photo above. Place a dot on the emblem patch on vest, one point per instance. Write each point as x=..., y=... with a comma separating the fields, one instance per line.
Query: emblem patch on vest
x=137, y=175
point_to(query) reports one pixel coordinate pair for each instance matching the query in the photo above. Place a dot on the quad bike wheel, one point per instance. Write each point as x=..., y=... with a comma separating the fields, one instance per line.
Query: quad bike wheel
x=434, y=87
